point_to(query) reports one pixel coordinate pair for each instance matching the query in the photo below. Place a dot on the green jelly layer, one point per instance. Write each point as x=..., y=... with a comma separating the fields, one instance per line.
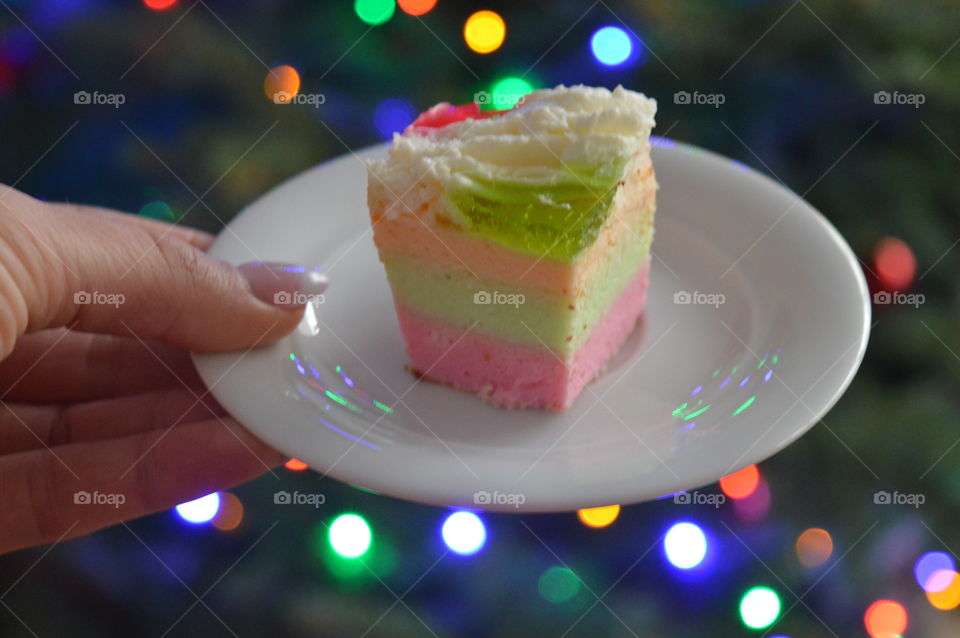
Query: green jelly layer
x=556, y=221
x=515, y=313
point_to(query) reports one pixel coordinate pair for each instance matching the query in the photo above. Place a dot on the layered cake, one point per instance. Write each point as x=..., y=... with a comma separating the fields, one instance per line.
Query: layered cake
x=517, y=242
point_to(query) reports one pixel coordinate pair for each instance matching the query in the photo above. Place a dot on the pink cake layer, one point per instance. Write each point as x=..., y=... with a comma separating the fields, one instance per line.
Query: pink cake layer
x=518, y=375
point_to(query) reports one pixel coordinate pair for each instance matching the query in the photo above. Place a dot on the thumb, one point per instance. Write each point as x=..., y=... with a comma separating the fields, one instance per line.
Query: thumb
x=100, y=274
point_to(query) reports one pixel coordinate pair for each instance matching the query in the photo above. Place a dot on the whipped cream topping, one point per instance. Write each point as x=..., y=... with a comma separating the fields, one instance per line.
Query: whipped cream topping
x=551, y=134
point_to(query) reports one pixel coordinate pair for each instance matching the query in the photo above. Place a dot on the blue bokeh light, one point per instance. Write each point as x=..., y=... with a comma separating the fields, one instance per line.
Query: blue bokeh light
x=928, y=565
x=611, y=46
x=201, y=510
x=392, y=116
x=685, y=545
x=464, y=533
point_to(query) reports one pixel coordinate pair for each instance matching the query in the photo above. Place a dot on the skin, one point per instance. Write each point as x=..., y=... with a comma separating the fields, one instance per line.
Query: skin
x=104, y=398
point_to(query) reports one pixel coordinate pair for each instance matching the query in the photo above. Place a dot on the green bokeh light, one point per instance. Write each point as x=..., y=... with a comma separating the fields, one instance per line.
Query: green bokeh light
x=158, y=210
x=374, y=11
x=508, y=91
x=350, y=536
x=558, y=585
x=759, y=607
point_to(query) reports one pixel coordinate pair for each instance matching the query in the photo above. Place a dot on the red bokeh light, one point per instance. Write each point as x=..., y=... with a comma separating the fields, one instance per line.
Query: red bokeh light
x=895, y=264
x=159, y=5
x=741, y=484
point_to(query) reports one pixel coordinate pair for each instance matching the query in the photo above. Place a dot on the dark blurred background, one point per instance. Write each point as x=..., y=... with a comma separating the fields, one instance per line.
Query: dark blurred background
x=851, y=102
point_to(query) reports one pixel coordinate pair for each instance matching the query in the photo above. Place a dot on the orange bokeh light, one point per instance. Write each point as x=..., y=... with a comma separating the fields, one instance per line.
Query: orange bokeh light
x=946, y=597
x=598, y=516
x=885, y=619
x=230, y=513
x=281, y=84
x=741, y=484
x=814, y=547
x=159, y=5
x=295, y=465
x=416, y=7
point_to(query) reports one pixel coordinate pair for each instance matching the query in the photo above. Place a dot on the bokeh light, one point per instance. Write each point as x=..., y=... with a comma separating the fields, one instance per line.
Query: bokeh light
x=756, y=506
x=374, y=12
x=392, y=116
x=611, y=46
x=281, y=84
x=158, y=210
x=508, y=91
x=946, y=595
x=814, y=547
x=200, y=510
x=295, y=465
x=484, y=31
x=350, y=536
x=598, y=516
x=7, y=77
x=885, y=619
x=558, y=585
x=416, y=7
x=759, y=607
x=464, y=533
x=741, y=484
x=159, y=5
x=230, y=514
x=928, y=565
x=894, y=263
x=685, y=545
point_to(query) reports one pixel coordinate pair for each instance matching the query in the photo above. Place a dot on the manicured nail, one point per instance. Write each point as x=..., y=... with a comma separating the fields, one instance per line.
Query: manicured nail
x=284, y=285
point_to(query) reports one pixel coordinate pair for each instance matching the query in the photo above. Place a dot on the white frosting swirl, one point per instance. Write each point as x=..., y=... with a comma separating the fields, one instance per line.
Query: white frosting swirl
x=549, y=133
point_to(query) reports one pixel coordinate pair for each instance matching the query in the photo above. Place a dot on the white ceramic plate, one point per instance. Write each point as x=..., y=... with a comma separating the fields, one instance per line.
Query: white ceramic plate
x=775, y=329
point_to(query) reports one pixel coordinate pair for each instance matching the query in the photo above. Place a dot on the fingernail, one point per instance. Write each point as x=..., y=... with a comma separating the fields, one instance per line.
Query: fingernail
x=284, y=285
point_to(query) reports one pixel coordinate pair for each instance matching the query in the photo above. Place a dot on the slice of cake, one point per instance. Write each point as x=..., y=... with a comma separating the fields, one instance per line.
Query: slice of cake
x=517, y=242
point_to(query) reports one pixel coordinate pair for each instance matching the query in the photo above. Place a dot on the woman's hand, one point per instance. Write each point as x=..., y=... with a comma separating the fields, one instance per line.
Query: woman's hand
x=98, y=395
